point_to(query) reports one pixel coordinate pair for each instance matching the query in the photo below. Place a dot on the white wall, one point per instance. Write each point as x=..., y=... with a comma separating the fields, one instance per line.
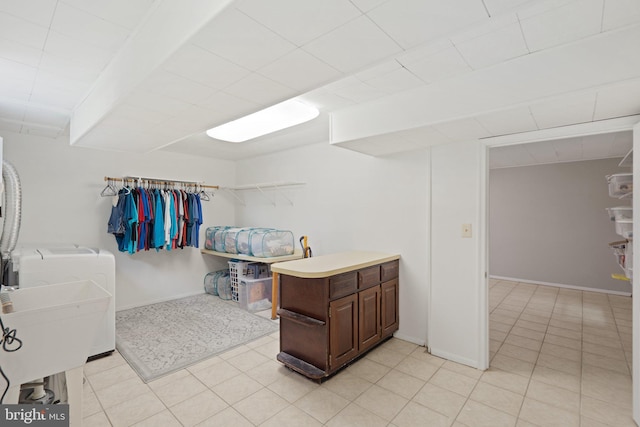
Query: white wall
x=62, y=204
x=548, y=223
x=351, y=202
x=458, y=309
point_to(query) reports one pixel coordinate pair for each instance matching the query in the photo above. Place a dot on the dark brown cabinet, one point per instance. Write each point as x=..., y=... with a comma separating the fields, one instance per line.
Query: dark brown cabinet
x=327, y=322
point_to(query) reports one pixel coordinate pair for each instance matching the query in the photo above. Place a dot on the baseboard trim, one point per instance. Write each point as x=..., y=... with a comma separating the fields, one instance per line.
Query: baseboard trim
x=562, y=285
x=421, y=343
x=454, y=358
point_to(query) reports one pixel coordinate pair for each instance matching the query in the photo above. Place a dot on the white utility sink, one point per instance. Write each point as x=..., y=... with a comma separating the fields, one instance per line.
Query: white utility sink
x=57, y=325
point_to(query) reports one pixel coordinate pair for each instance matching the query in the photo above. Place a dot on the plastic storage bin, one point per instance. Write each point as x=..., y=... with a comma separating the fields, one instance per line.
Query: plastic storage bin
x=210, y=233
x=624, y=227
x=243, y=239
x=620, y=184
x=231, y=237
x=255, y=294
x=619, y=250
x=271, y=243
x=218, y=238
x=239, y=270
x=620, y=212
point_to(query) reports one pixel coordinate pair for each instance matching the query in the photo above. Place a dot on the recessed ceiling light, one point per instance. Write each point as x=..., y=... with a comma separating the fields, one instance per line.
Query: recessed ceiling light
x=272, y=119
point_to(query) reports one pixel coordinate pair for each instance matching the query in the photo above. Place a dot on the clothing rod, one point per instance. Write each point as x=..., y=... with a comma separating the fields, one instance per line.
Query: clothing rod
x=159, y=181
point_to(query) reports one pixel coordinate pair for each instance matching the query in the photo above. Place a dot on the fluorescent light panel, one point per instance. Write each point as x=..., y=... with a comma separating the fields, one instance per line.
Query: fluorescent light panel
x=272, y=119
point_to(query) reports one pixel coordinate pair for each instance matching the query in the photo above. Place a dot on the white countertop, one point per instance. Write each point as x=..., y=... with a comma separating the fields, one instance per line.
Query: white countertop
x=330, y=265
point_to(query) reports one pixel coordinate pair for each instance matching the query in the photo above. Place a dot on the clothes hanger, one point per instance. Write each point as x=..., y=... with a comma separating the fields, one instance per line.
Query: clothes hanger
x=109, y=190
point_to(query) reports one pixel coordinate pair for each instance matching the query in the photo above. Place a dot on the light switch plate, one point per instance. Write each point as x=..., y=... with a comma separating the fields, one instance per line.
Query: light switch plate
x=466, y=230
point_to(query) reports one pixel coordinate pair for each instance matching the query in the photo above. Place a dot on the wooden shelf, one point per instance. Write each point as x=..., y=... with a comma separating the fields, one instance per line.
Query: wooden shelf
x=270, y=260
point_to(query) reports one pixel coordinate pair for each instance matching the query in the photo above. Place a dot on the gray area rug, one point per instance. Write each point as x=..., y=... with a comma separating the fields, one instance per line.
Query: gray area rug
x=162, y=338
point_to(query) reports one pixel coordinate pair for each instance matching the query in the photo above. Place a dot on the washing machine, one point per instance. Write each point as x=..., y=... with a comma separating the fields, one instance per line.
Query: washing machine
x=46, y=266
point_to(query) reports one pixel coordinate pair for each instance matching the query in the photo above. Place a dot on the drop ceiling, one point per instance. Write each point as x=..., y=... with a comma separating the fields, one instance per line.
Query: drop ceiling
x=388, y=76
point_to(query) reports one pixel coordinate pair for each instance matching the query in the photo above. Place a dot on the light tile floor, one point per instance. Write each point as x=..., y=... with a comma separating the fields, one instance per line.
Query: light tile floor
x=559, y=358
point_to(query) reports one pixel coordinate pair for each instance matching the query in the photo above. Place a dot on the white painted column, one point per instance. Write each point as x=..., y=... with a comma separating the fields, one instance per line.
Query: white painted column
x=458, y=312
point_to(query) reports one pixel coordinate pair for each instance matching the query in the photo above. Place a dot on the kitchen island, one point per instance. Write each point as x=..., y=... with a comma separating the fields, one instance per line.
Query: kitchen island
x=334, y=308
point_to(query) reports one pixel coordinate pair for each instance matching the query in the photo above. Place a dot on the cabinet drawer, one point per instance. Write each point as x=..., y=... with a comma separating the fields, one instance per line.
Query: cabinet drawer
x=390, y=270
x=368, y=277
x=343, y=285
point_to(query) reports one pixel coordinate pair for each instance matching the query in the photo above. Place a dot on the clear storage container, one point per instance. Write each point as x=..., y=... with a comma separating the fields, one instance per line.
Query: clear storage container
x=620, y=212
x=271, y=243
x=218, y=238
x=620, y=184
x=255, y=294
x=242, y=240
x=624, y=227
x=230, y=239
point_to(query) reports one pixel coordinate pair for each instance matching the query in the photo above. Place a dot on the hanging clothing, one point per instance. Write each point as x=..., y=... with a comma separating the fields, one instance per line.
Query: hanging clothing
x=141, y=219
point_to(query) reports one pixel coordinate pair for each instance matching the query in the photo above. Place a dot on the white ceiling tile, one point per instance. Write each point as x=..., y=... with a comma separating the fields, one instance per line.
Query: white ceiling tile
x=324, y=100
x=484, y=27
x=420, y=52
x=567, y=23
x=16, y=70
x=17, y=89
x=174, y=86
x=197, y=119
x=561, y=111
x=126, y=13
x=354, y=45
x=157, y=102
x=442, y=65
x=300, y=21
x=507, y=122
x=10, y=125
x=568, y=150
x=462, y=130
x=300, y=70
x=359, y=91
x=76, y=50
x=396, y=81
x=378, y=70
x=542, y=152
x=37, y=11
x=242, y=40
x=596, y=146
x=12, y=109
x=88, y=28
x=201, y=66
x=367, y=5
x=497, y=7
x=69, y=69
x=621, y=144
x=618, y=13
x=19, y=52
x=494, y=47
x=260, y=90
x=231, y=105
x=540, y=7
x=516, y=155
x=412, y=22
x=55, y=96
x=46, y=117
x=618, y=101
x=25, y=32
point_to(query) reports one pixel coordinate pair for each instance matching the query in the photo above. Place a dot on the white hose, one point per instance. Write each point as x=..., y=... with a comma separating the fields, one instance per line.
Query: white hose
x=12, y=209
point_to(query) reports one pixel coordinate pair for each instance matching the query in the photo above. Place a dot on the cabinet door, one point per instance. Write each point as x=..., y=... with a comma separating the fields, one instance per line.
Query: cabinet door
x=343, y=327
x=390, y=318
x=369, y=317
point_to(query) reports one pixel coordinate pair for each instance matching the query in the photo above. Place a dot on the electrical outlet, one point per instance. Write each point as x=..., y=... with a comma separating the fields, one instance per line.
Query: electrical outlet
x=466, y=230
